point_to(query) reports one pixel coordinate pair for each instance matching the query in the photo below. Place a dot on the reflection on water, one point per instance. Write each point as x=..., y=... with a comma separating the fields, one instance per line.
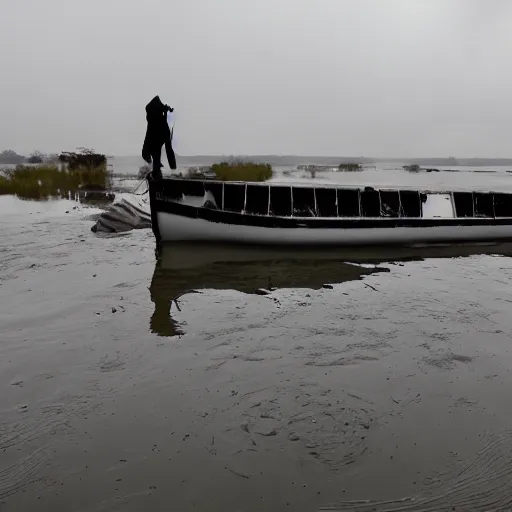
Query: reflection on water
x=179, y=271
x=186, y=268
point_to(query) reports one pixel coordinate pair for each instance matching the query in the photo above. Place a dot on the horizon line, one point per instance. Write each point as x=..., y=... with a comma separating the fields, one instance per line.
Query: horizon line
x=292, y=155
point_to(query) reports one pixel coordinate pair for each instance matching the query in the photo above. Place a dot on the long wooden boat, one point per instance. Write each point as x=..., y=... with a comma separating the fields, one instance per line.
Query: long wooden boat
x=301, y=214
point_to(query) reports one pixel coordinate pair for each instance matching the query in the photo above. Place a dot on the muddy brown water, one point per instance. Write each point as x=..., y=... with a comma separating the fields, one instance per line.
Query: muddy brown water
x=232, y=379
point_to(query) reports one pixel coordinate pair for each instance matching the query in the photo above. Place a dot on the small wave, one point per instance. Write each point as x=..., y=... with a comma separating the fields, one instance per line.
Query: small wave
x=482, y=485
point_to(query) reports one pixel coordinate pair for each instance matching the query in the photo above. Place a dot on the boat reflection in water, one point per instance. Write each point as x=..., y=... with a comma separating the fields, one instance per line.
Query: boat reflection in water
x=186, y=267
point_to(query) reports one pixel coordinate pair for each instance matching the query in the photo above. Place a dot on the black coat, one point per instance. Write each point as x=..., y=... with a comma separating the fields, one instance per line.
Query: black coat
x=158, y=133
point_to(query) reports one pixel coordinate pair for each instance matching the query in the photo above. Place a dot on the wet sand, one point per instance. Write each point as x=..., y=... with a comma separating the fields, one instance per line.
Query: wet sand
x=331, y=385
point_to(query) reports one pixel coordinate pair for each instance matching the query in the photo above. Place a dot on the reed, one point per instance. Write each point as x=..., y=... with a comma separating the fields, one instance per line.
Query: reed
x=350, y=167
x=239, y=170
x=412, y=168
x=46, y=181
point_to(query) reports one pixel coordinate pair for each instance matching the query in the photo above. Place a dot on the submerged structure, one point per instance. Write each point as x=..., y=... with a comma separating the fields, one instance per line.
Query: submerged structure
x=297, y=214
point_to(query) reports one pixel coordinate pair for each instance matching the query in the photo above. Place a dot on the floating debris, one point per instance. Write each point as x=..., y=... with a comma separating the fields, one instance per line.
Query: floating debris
x=122, y=216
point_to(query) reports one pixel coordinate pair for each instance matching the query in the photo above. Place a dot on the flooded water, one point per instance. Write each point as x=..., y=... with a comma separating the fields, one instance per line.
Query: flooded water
x=237, y=379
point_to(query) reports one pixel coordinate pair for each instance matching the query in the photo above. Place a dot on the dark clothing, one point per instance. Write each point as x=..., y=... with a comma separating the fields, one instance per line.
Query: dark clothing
x=158, y=134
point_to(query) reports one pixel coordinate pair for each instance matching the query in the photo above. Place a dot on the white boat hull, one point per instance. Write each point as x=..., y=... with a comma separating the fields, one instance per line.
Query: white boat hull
x=246, y=213
x=174, y=227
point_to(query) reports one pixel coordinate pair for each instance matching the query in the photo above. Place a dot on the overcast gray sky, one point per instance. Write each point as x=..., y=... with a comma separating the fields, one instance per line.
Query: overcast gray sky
x=311, y=77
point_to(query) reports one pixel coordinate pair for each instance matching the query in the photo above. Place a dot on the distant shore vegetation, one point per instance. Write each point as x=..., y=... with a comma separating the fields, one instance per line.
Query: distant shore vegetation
x=10, y=157
x=411, y=168
x=241, y=170
x=70, y=174
x=350, y=167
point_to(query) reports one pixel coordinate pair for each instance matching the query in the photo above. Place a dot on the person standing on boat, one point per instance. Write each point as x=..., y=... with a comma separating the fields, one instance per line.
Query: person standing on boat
x=158, y=134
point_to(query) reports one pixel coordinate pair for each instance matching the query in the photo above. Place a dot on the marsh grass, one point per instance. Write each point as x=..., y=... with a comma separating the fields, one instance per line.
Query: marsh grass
x=350, y=167
x=239, y=170
x=47, y=181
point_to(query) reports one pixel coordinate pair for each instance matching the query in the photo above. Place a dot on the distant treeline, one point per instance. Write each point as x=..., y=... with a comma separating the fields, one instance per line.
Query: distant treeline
x=11, y=157
x=36, y=157
x=83, y=157
x=293, y=160
x=469, y=162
